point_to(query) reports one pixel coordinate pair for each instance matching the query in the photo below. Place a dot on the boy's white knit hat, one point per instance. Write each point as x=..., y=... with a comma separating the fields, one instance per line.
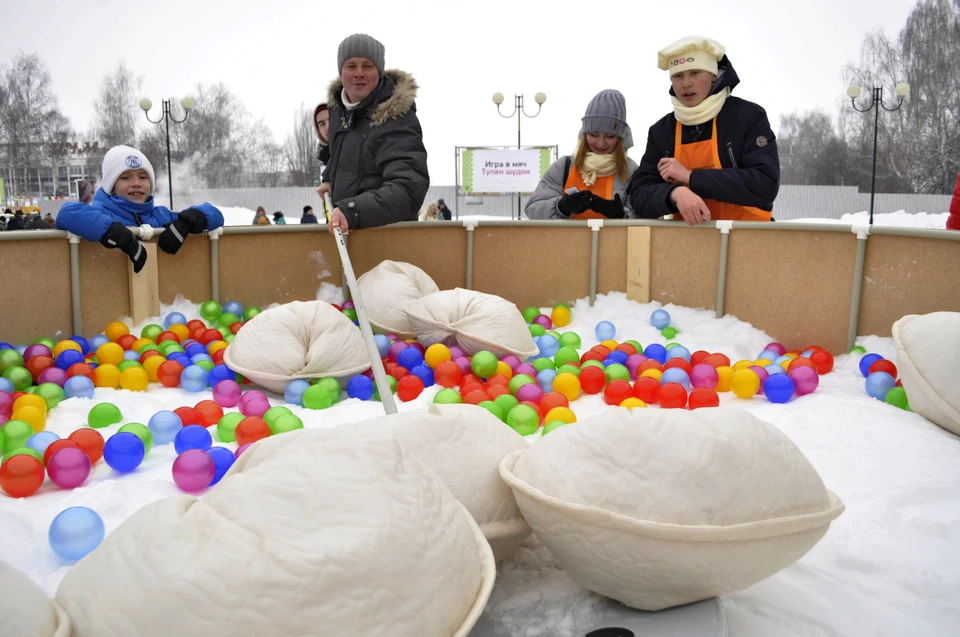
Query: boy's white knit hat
x=691, y=53
x=122, y=158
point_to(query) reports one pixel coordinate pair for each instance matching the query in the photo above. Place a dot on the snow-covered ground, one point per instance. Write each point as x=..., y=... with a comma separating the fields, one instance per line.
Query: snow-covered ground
x=890, y=565
x=901, y=218
x=244, y=216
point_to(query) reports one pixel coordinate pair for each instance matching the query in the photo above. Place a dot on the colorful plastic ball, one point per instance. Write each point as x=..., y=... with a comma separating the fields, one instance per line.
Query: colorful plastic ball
x=104, y=415
x=563, y=414
x=75, y=532
x=436, y=354
x=484, y=364
x=142, y=432
x=257, y=407
x=241, y=449
x=315, y=397
x=448, y=396
x=227, y=393
x=568, y=385
x=447, y=374
x=897, y=397
x=523, y=419
x=531, y=392
x=745, y=383
x=883, y=365
x=878, y=384
x=58, y=445
x=250, y=312
x=823, y=360
x=39, y=441
x=194, y=378
x=805, y=380
x=227, y=426
x=107, y=375
x=275, y=413
x=53, y=375
x=293, y=393
x=703, y=397
x=616, y=392
x=778, y=388
x=605, y=330
x=425, y=374
x=227, y=319
x=19, y=376
x=30, y=400
x=285, y=423
x=359, y=387
x=393, y=352
x=616, y=371
x=704, y=375
x=192, y=437
x=632, y=402
x=531, y=313
x=678, y=351
x=35, y=350
x=69, y=468
x=560, y=316
x=676, y=375
x=10, y=358
x=543, y=321
x=70, y=357
x=31, y=415
x=193, y=470
x=409, y=388
x=660, y=319
x=647, y=389
x=223, y=459
x=409, y=357
x=14, y=434
x=762, y=374
x=867, y=361
x=673, y=396
x=82, y=342
x=124, y=451
x=210, y=412
x=90, y=441
x=493, y=408
x=669, y=332
x=545, y=379
x=210, y=311
x=250, y=430
x=656, y=352
x=189, y=416
x=6, y=386
x=724, y=376
x=134, y=379
x=773, y=368
x=174, y=318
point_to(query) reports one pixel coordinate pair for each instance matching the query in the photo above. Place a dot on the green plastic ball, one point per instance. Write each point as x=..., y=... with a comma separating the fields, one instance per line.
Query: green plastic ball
x=10, y=358
x=128, y=364
x=229, y=338
x=51, y=393
x=670, y=346
x=571, y=340
x=31, y=389
x=227, y=426
x=541, y=364
x=569, y=369
x=44, y=340
x=27, y=451
x=519, y=381
x=250, y=312
x=523, y=419
x=493, y=408
x=332, y=385
x=224, y=332
x=636, y=344
x=142, y=432
x=285, y=423
x=554, y=333
x=616, y=371
x=391, y=381
x=536, y=329
x=149, y=347
x=484, y=364
x=271, y=415
x=350, y=313
x=858, y=349
x=169, y=347
x=506, y=402
x=316, y=397
x=19, y=376
x=207, y=365
x=898, y=398
x=15, y=434
x=104, y=415
x=227, y=319
x=566, y=355
x=531, y=313
x=152, y=331
x=210, y=311
x=550, y=426
x=592, y=363
x=669, y=332
x=448, y=396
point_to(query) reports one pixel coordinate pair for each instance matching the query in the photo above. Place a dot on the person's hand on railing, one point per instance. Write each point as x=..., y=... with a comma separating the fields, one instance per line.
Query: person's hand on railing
x=690, y=205
x=119, y=236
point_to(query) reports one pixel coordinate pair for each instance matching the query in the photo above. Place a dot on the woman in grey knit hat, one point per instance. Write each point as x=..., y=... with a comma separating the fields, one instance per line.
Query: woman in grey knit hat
x=591, y=183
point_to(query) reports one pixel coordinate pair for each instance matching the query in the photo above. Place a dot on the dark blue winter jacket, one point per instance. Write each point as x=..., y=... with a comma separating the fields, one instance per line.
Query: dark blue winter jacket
x=91, y=221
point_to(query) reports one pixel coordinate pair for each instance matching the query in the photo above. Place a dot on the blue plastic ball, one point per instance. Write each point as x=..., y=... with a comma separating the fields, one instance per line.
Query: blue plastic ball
x=383, y=344
x=7, y=386
x=181, y=358
x=605, y=330
x=807, y=353
x=5, y=346
x=778, y=388
x=879, y=383
x=128, y=355
x=82, y=342
x=221, y=373
x=660, y=319
x=124, y=451
x=233, y=307
x=69, y=357
x=223, y=459
x=424, y=373
x=867, y=361
x=75, y=532
x=293, y=394
x=194, y=348
x=549, y=345
x=676, y=375
x=657, y=352
x=617, y=356
x=360, y=387
x=97, y=341
x=175, y=318
x=545, y=379
x=678, y=351
x=780, y=359
x=164, y=425
x=41, y=440
x=193, y=378
x=192, y=437
x=196, y=358
x=409, y=357
x=773, y=368
x=768, y=355
x=78, y=387
x=22, y=349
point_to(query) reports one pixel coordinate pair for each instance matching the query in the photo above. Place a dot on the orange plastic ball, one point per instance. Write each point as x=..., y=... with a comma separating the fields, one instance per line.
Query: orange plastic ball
x=81, y=369
x=499, y=379
x=169, y=373
x=649, y=364
x=251, y=429
x=115, y=330
x=152, y=365
x=475, y=397
x=190, y=416
x=210, y=412
x=801, y=362
x=411, y=386
x=109, y=354
x=37, y=365
x=698, y=357
x=553, y=399
x=63, y=346
x=107, y=375
x=134, y=379
x=716, y=360
x=678, y=363
x=497, y=390
x=90, y=441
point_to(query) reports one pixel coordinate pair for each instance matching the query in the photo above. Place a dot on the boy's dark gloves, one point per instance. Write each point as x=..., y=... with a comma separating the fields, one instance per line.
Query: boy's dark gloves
x=609, y=208
x=118, y=236
x=190, y=221
x=575, y=204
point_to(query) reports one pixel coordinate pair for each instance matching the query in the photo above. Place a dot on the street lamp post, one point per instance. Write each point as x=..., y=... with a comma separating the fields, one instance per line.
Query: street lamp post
x=518, y=110
x=876, y=103
x=187, y=103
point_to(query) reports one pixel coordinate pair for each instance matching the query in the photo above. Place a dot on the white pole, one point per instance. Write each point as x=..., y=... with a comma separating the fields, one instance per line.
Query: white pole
x=379, y=373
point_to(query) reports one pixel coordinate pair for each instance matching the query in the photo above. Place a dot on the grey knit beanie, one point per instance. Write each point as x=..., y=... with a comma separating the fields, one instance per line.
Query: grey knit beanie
x=607, y=113
x=363, y=46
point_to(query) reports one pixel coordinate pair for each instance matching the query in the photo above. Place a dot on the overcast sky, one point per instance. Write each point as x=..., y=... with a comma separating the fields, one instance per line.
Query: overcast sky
x=276, y=54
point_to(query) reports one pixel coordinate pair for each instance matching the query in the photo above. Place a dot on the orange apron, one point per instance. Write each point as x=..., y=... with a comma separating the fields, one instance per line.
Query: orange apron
x=602, y=187
x=706, y=154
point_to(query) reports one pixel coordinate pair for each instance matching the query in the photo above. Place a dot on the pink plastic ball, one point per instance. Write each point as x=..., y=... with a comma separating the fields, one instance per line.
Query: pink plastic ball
x=241, y=449
x=511, y=360
x=53, y=375
x=530, y=392
x=464, y=364
x=6, y=404
x=37, y=349
x=633, y=362
x=420, y=348
x=346, y=305
x=703, y=375
x=69, y=467
x=456, y=352
x=393, y=337
x=227, y=393
x=543, y=320
x=193, y=470
x=762, y=373
x=805, y=380
x=776, y=347
x=395, y=349
x=526, y=368
x=251, y=395
x=369, y=374
x=255, y=408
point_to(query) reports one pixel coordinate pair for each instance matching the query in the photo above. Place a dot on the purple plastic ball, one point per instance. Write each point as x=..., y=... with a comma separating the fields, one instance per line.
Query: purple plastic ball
x=241, y=449
x=805, y=380
x=37, y=349
x=346, y=305
x=227, y=393
x=703, y=375
x=776, y=347
x=530, y=392
x=253, y=394
x=511, y=360
x=464, y=364
x=53, y=375
x=419, y=347
x=762, y=373
x=193, y=470
x=395, y=349
x=69, y=468
x=633, y=362
x=543, y=320
x=525, y=368
x=255, y=407
x=456, y=352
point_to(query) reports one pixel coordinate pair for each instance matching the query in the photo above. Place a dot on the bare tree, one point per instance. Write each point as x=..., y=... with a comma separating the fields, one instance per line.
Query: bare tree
x=117, y=113
x=300, y=149
x=809, y=150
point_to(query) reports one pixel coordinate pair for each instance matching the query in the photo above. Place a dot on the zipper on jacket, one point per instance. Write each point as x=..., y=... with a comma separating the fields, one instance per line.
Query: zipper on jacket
x=733, y=159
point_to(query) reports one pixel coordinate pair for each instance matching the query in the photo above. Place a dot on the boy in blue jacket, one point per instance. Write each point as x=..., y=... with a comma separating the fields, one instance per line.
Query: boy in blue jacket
x=125, y=198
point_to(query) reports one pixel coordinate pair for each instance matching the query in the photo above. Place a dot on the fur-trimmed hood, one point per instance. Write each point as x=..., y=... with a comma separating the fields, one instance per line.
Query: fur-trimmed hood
x=396, y=104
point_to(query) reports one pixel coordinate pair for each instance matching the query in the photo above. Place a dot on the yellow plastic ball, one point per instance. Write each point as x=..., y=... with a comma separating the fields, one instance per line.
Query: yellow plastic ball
x=29, y=400
x=632, y=403
x=652, y=373
x=762, y=362
x=745, y=383
x=568, y=385
x=109, y=354
x=610, y=344
x=436, y=354
x=792, y=355
x=152, y=364
x=724, y=376
x=741, y=365
x=786, y=364
x=32, y=416
x=115, y=330
x=560, y=413
x=181, y=330
x=216, y=346
x=63, y=346
x=560, y=316
x=140, y=342
x=134, y=378
x=504, y=370
x=106, y=375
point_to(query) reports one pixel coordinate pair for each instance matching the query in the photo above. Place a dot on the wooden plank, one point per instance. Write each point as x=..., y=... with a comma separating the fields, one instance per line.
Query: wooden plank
x=145, y=287
x=638, y=264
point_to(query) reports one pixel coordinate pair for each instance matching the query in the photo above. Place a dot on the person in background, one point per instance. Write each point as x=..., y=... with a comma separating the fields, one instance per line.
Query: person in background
x=443, y=211
x=260, y=218
x=16, y=222
x=278, y=218
x=432, y=213
x=953, y=221
x=715, y=156
x=321, y=126
x=49, y=219
x=592, y=182
x=34, y=222
x=308, y=216
x=85, y=191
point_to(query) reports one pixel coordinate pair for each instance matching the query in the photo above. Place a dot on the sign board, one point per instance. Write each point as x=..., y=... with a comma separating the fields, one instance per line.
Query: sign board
x=494, y=171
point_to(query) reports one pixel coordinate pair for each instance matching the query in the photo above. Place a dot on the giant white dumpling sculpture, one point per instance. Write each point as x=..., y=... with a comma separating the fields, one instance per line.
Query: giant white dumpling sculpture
x=928, y=348
x=301, y=339
x=387, y=288
x=355, y=537
x=667, y=507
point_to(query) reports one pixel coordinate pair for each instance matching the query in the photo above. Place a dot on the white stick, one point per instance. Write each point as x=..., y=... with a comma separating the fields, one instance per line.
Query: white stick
x=379, y=373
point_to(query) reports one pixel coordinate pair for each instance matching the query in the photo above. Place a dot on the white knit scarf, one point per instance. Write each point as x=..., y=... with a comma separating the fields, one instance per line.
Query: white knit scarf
x=595, y=166
x=702, y=112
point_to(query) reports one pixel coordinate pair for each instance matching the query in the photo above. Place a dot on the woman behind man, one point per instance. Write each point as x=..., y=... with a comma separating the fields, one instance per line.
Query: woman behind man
x=592, y=182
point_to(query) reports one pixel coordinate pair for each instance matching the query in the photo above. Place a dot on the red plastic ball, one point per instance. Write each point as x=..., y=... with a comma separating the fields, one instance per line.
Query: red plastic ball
x=471, y=386
x=189, y=416
x=673, y=396
x=56, y=446
x=717, y=360
x=698, y=357
x=168, y=336
x=210, y=336
x=497, y=379
x=147, y=354
x=447, y=374
x=81, y=369
x=90, y=441
x=235, y=327
x=126, y=341
x=553, y=399
x=218, y=355
x=592, y=379
x=617, y=392
x=883, y=365
x=37, y=365
x=703, y=397
x=210, y=412
x=649, y=364
x=470, y=378
x=823, y=360
x=251, y=429
x=198, y=333
x=647, y=389
x=475, y=397
x=592, y=356
x=801, y=362
x=497, y=390
x=627, y=349
x=678, y=363
x=21, y=475
x=169, y=373
x=603, y=350
x=196, y=324
x=399, y=371
x=409, y=387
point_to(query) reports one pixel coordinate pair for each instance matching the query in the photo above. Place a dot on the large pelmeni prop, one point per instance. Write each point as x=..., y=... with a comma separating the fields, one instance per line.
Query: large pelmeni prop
x=387, y=288
x=928, y=348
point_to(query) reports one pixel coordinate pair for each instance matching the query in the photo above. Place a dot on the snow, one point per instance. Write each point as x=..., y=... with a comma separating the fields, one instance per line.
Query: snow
x=890, y=565
x=900, y=218
x=244, y=216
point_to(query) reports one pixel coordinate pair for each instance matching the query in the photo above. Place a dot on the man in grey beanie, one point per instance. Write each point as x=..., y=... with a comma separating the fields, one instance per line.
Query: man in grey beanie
x=377, y=172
